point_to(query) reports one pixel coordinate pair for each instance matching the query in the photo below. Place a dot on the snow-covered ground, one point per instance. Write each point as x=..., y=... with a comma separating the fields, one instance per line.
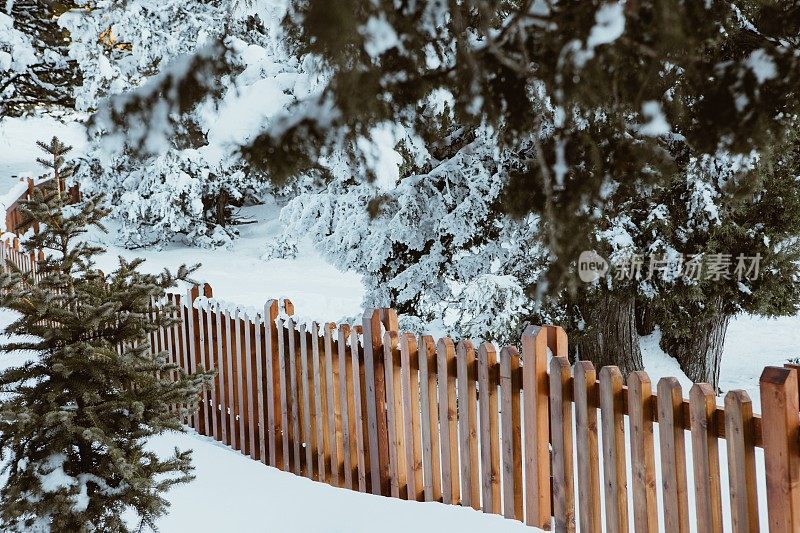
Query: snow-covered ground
x=234, y=493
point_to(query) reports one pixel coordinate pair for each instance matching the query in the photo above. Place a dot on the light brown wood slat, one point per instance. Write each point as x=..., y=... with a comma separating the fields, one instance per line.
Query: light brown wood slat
x=409, y=359
x=239, y=369
x=222, y=371
x=394, y=415
x=334, y=406
x=612, y=418
x=488, y=377
x=448, y=433
x=211, y=347
x=431, y=458
x=271, y=377
x=705, y=459
x=359, y=407
x=283, y=387
x=516, y=416
x=673, y=455
x=741, y=462
x=191, y=295
x=294, y=403
x=203, y=361
x=781, y=425
x=230, y=378
x=643, y=465
x=562, y=440
x=507, y=432
x=375, y=392
x=537, y=427
x=346, y=402
x=587, y=447
x=321, y=407
x=248, y=329
x=308, y=411
x=263, y=363
x=468, y=424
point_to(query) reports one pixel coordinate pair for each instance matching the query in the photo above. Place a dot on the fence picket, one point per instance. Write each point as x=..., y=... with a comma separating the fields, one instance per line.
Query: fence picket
x=445, y=364
x=561, y=424
x=537, y=425
x=643, y=466
x=283, y=387
x=409, y=359
x=334, y=406
x=272, y=381
x=394, y=415
x=431, y=462
x=587, y=451
x=220, y=320
x=308, y=413
x=741, y=462
x=612, y=417
x=359, y=408
x=321, y=407
x=467, y=424
x=673, y=455
x=488, y=381
x=708, y=497
x=346, y=402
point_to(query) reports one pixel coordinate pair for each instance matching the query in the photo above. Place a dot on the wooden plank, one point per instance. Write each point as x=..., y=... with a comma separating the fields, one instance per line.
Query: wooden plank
x=468, y=424
x=334, y=406
x=222, y=371
x=346, y=402
x=308, y=412
x=271, y=376
x=213, y=357
x=537, y=427
x=230, y=378
x=359, y=407
x=516, y=417
x=376, y=402
x=283, y=388
x=249, y=389
x=239, y=363
x=587, y=449
x=613, y=420
x=741, y=462
x=488, y=381
x=643, y=463
x=409, y=359
x=191, y=295
x=204, y=363
x=673, y=455
x=779, y=404
x=394, y=415
x=263, y=396
x=321, y=407
x=431, y=458
x=708, y=496
x=561, y=429
x=294, y=397
x=507, y=432
x=448, y=433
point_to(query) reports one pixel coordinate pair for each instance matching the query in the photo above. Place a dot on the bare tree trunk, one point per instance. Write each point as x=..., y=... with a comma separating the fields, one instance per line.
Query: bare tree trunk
x=699, y=353
x=645, y=323
x=611, y=337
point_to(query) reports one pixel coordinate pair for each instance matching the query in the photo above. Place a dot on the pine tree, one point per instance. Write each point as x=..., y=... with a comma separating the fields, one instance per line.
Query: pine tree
x=75, y=418
x=49, y=76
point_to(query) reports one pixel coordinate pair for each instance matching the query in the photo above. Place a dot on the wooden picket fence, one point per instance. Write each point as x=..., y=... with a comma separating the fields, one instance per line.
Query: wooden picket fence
x=368, y=408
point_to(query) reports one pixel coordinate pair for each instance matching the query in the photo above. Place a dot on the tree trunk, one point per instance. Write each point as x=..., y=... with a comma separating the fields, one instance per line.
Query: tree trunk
x=699, y=353
x=610, y=337
x=645, y=323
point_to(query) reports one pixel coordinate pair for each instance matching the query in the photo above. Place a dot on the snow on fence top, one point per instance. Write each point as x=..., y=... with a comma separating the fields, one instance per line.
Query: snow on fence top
x=372, y=409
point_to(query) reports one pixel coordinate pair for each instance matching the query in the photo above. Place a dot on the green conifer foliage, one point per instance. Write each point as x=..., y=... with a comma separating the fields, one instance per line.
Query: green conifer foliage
x=75, y=418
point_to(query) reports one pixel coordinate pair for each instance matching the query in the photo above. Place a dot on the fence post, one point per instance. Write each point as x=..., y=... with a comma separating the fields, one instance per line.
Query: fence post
x=780, y=428
x=376, y=396
x=537, y=426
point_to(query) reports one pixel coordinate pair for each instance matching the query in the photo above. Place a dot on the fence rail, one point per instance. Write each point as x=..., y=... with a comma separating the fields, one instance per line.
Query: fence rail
x=369, y=408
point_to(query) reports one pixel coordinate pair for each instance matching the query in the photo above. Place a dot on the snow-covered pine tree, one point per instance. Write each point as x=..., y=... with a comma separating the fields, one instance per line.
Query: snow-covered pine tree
x=725, y=222
x=75, y=418
x=35, y=68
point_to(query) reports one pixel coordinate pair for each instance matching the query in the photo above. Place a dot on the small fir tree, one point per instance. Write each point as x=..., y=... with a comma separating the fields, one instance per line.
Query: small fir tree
x=75, y=418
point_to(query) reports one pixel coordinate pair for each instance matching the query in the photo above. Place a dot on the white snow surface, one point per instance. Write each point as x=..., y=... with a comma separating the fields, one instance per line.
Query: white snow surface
x=18, y=150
